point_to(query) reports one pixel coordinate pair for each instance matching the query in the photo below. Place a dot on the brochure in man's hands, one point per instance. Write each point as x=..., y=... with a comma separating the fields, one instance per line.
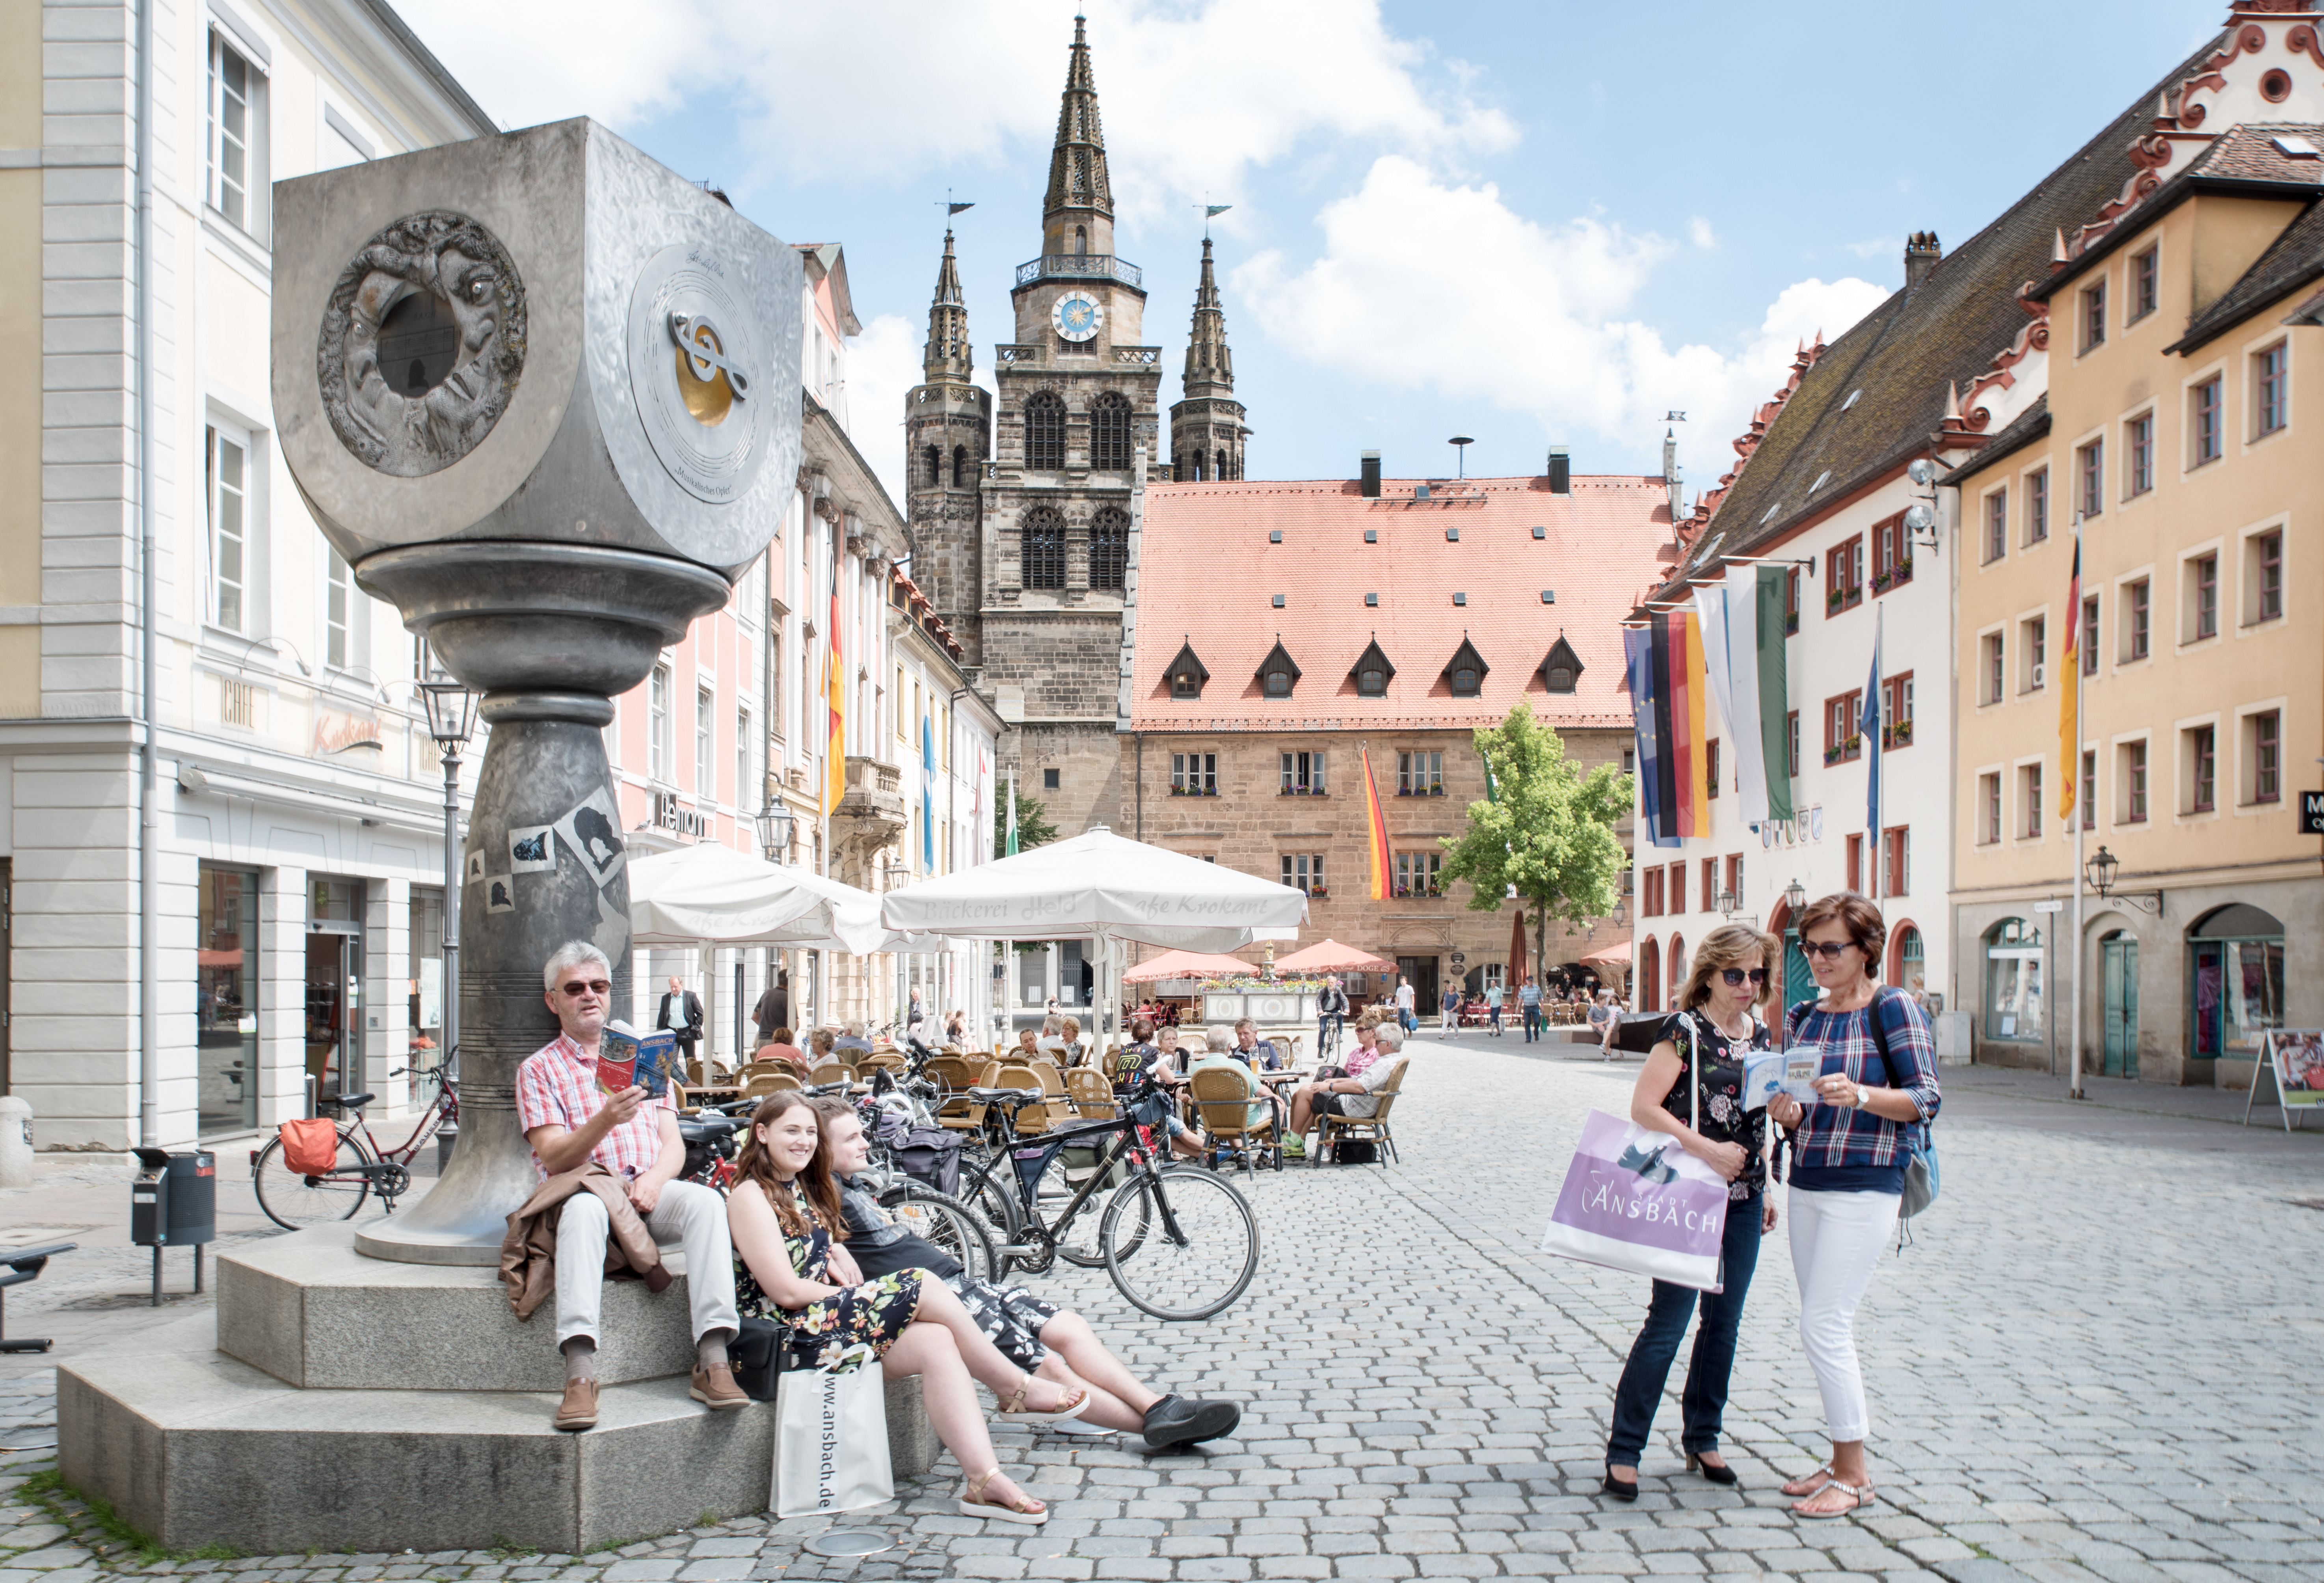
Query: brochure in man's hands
x=1791, y=1071
x=627, y=1057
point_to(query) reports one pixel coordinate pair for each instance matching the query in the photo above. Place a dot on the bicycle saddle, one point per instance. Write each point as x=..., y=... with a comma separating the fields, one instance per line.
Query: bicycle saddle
x=353, y=1101
x=704, y=1129
x=997, y=1095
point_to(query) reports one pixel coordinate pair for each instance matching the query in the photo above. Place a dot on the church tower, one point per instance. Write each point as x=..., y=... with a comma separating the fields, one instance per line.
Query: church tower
x=1206, y=429
x=1079, y=419
x=948, y=430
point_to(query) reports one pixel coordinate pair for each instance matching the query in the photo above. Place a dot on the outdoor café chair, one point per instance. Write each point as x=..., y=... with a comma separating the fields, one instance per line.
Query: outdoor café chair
x=832, y=1071
x=1034, y=1119
x=1092, y=1095
x=1333, y=1128
x=1224, y=1109
x=758, y=1085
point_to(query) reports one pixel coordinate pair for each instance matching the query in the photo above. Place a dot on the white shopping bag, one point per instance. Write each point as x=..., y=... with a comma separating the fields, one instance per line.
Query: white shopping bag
x=831, y=1439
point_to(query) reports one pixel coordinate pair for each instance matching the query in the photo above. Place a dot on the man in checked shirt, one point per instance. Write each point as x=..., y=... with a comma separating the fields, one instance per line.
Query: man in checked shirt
x=569, y=1123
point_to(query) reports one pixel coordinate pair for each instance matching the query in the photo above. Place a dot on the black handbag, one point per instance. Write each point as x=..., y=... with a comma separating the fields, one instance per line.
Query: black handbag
x=759, y=1352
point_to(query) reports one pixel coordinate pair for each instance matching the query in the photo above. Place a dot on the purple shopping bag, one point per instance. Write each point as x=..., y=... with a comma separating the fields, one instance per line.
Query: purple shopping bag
x=1637, y=1200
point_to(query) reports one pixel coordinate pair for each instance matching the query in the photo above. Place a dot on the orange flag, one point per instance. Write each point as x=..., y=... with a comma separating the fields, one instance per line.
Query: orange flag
x=1376, y=834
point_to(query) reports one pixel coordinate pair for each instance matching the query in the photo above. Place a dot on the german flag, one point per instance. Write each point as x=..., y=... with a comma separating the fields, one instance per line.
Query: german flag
x=1375, y=840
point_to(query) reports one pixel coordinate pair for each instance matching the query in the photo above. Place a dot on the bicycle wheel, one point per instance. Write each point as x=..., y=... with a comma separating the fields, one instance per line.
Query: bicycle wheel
x=1199, y=1248
x=294, y=1202
x=951, y=1225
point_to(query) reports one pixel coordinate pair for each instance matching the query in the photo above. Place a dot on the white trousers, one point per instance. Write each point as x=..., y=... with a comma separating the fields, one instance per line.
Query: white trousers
x=687, y=1214
x=1836, y=1243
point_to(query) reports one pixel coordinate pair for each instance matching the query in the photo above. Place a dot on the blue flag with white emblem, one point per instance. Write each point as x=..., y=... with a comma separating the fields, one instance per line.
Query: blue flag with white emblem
x=927, y=796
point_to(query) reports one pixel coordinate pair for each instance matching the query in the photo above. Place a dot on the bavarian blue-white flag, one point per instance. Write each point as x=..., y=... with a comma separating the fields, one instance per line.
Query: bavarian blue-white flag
x=1868, y=723
x=927, y=796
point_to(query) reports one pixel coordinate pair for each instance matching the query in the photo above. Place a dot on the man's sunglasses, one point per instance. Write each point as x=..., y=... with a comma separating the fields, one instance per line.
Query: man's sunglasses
x=1736, y=976
x=1828, y=950
x=593, y=986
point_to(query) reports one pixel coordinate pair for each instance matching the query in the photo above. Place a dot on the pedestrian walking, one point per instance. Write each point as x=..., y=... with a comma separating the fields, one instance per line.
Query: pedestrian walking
x=1493, y=1007
x=1691, y=1088
x=681, y=1014
x=1448, y=1013
x=1875, y=1096
x=1529, y=1002
x=1405, y=1003
x=774, y=1008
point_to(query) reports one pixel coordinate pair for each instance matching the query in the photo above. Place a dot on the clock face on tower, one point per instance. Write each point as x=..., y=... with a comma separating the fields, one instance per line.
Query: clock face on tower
x=1076, y=315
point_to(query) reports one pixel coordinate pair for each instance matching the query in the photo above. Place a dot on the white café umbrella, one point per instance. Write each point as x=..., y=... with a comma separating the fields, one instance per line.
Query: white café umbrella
x=715, y=895
x=1102, y=888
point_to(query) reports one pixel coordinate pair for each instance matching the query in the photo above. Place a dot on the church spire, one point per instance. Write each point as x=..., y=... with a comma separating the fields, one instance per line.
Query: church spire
x=1078, y=214
x=1209, y=365
x=947, y=354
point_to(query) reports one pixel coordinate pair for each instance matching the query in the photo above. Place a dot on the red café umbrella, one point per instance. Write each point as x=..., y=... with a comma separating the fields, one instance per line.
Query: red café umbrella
x=1517, y=948
x=1328, y=956
x=1188, y=964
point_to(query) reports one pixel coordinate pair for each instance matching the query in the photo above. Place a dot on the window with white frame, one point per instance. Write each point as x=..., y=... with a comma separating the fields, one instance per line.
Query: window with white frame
x=2033, y=647
x=658, y=723
x=2271, y=389
x=2205, y=422
x=2092, y=459
x=2146, y=282
x=2137, y=619
x=1420, y=774
x=2130, y=782
x=1303, y=774
x=1996, y=524
x=2037, y=505
x=705, y=745
x=1304, y=871
x=2262, y=757
x=2201, y=598
x=236, y=168
x=2138, y=456
x=230, y=530
x=745, y=799
x=2263, y=577
x=2088, y=640
x=1418, y=874
x=2029, y=801
x=338, y=608
x=1988, y=806
x=1193, y=774
x=2199, y=767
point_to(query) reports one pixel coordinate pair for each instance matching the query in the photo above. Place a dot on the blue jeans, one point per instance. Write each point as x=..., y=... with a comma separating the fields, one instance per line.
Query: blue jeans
x=1704, y=1399
x=1532, y=1022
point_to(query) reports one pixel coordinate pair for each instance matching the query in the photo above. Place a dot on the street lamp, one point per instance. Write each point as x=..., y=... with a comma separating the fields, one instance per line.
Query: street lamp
x=1726, y=905
x=775, y=824
x=1795, y=897
x=2101, y=870
x=451, y=720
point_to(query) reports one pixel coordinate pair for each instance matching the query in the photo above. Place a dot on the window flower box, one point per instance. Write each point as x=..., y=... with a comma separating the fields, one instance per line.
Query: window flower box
x=1850, y=747
x=1791, y=623
x=1832, y=597
x=1899, y=735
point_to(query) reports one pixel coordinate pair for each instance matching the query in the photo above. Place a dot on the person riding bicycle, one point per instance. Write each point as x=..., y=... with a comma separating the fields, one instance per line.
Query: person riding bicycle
x=570, y=1124
x=1034, y=1334
x=1331, y=1015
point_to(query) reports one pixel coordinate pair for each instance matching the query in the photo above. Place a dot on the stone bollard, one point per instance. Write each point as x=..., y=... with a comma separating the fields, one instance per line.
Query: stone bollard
x=15, y=1142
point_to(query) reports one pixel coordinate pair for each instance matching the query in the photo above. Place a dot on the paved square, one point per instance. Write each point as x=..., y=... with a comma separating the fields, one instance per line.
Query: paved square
x=2095, y=1361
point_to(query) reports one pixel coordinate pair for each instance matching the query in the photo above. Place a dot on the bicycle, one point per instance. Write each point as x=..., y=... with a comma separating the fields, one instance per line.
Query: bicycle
x=361, y=1168
x=1178, y=1240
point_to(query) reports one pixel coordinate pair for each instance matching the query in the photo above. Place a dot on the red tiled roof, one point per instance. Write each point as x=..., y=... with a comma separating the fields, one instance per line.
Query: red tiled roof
x=1207, y=575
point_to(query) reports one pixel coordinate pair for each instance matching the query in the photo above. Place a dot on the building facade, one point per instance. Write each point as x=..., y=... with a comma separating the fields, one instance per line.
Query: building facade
x=1281, y=633
x=2174, y=447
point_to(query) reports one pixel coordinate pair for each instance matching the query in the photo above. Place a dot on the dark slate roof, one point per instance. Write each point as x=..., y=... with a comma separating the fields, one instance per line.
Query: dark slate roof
x=2292, y=261
x=2030, y=425
x=1903, y=354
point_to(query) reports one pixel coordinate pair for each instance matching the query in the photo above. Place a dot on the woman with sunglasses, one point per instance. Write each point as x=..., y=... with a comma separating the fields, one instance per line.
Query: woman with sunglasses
x=1692, y=1088
x=1875, y=1089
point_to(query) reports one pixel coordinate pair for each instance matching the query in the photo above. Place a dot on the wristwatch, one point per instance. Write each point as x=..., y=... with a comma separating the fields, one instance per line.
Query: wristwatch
x=1863, y=1096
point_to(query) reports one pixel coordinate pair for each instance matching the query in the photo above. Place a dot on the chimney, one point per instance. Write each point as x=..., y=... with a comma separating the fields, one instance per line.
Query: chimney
x=1371, y=474
x=1561, y=477
x=1921, y=250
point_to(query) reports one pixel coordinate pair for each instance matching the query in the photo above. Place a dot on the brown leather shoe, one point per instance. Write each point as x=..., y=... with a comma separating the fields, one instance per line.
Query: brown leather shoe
x=716, y=1389
x=579, y=1409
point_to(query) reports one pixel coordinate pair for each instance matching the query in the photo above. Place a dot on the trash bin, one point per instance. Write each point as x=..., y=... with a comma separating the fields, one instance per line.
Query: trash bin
x=149, y=1199
x=174, y=1202
x=193, y=1198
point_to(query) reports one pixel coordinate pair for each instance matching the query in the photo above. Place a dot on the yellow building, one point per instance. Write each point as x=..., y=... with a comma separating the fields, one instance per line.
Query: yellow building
x=2185, y=374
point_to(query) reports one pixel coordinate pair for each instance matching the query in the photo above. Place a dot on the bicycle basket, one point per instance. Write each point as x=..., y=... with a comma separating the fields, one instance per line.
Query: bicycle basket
x=310, y=1147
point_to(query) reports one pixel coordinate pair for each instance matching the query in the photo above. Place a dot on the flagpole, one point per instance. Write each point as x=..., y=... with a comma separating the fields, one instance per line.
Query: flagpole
x=2081, y=824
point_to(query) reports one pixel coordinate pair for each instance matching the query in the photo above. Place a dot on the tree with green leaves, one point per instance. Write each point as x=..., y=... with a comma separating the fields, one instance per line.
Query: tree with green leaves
x=1033, y=825
x=1544, y=831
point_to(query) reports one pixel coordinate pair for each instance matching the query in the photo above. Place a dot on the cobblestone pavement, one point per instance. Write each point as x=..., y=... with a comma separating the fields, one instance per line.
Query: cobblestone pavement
x=2096, y=1362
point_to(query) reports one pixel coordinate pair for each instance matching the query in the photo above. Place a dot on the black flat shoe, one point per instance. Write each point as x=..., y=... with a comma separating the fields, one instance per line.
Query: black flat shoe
x=1619, y=1489
x=1177, y=1420
x=1722, y=1474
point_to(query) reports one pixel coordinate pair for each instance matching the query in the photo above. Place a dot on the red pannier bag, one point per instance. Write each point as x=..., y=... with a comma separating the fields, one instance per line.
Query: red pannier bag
x=310, y=1147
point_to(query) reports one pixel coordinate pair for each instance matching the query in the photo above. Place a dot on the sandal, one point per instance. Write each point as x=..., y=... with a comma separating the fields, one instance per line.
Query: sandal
x=1860, y=1497
x=1808, y=1484
x=1014, y=1411
x=1024, y=1509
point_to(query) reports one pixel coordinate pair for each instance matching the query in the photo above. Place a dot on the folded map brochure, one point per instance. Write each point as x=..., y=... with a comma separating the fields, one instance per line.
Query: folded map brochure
x=626, y=1056
x=1789, y=1071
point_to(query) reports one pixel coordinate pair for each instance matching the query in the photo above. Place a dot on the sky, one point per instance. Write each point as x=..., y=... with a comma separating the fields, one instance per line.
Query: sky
x=1530, y=224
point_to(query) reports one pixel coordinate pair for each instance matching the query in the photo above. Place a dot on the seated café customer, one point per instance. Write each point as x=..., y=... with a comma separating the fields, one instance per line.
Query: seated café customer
x=1052, y=1043
x=821, y=1047
x=779, y=1047
x=955, y=1032
x=1259, y=1054
x=1153, y=1057
x=1027, y=1048
x=853, y=1038
x=571, y=1124
x=1356, y=1096
x=1030, y=1331
x=1220, y=1057
x=1070, y=1038
x=790, y=1258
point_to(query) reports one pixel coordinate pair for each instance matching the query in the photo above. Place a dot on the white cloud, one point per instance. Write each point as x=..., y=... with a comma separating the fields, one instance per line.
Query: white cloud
x=1424, y=284
x=1194, y=92
x=1875, y=247
x=1698, y=232
x=883, y=364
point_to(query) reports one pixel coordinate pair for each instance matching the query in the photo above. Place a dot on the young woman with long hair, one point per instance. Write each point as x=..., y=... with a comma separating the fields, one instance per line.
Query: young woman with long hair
x=1691, y=1088
x=791, y=1265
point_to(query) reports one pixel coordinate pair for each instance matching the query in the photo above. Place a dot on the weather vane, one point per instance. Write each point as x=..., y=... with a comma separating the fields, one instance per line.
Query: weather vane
x=1211, y=211
x=952, y=207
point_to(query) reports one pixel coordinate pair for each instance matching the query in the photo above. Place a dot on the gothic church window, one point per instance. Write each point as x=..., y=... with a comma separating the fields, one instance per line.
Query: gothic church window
x=1109, y=551
x=1044, y=551
x=932, y=465
x=959, y=474
x=1110, y=434
x=1045, y=432
x=1222, y=467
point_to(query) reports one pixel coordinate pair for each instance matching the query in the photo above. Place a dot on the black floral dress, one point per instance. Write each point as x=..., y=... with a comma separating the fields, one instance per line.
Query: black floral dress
x=842, y=1332
x=1724, y=1118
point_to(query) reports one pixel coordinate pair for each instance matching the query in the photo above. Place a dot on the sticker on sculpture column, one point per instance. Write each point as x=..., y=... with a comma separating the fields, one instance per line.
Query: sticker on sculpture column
x=612, y=935
x=475, y=867
x=592, y=833
x=500, y=893
x=532, y=849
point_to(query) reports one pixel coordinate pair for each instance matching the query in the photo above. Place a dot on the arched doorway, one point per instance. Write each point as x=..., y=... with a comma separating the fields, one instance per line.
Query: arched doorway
x=1650, y=976
x=2234, y=958
x=1676, y=979
x=1797, y=983
x=2014, y=996
x=2118, y=1004
x=1906, y=958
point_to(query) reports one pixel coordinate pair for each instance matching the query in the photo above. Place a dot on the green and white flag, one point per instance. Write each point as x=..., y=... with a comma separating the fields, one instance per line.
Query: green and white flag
x=1743, y=659
x=1012, y=818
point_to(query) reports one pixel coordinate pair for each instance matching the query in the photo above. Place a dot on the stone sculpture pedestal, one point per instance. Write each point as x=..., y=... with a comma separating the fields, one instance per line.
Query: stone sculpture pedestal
x=385, y=1407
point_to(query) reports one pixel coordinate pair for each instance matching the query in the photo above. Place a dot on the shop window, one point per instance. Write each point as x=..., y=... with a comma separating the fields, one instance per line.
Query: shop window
x=2237, y=962
x=2014, y=990
x=226, y=999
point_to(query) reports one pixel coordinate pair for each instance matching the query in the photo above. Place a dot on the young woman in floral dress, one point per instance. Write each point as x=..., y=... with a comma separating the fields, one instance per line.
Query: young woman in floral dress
x=791, y=1265
x=1696, y=1071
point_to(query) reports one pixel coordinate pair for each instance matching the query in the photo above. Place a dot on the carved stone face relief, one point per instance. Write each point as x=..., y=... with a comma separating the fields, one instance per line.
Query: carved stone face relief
x=422, y=343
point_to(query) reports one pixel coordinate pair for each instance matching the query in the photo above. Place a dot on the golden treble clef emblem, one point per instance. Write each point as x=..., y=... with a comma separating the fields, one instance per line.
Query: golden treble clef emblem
x=707, y=376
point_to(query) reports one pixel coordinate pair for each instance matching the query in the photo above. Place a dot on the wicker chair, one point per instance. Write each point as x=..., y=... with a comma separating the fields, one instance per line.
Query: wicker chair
x=832, y=1071
x=1331, y=1129
x=758, y=1085
x=1224, y=1110
x=1033, y=1118
x=1092, y=1095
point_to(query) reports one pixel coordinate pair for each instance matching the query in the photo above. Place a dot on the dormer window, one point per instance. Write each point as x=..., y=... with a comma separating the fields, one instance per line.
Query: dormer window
x=1372, y=672
x=1186, y=673
x=1562, y=671
x=1276, y=673
x=1465, y=675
